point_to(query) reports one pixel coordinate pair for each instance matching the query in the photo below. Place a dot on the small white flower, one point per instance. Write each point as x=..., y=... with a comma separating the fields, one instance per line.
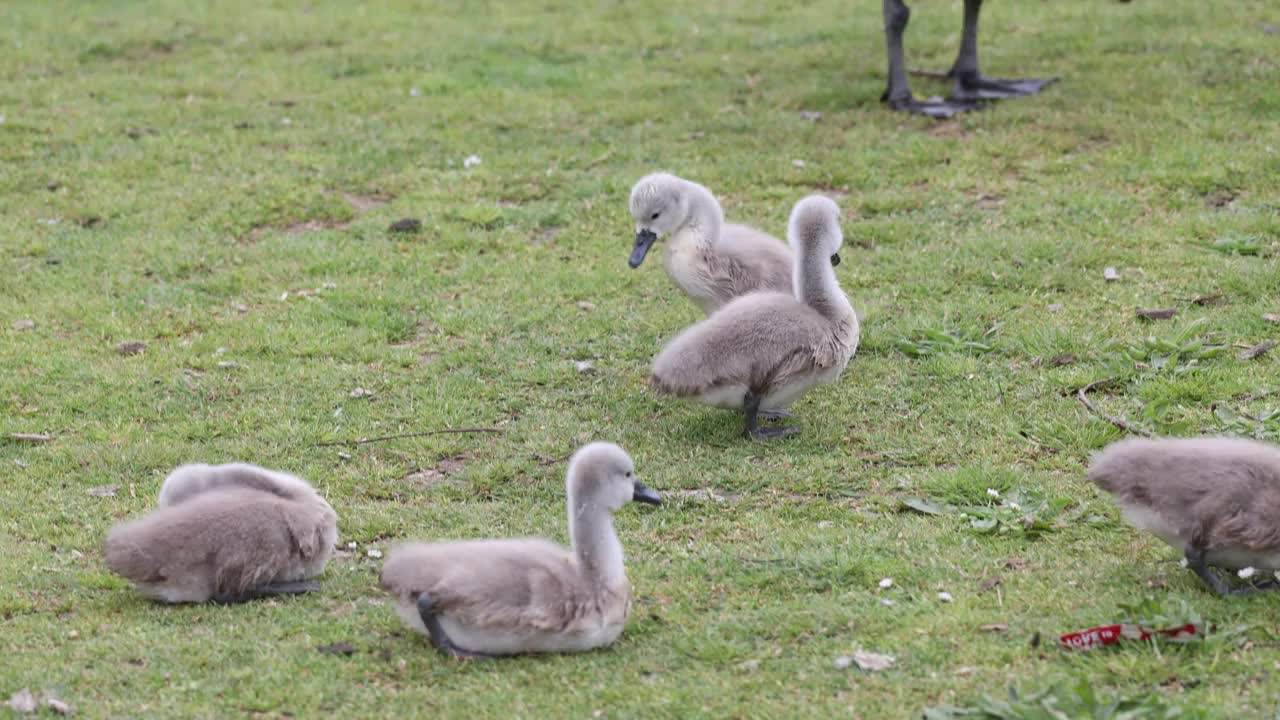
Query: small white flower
x=1015, y=505
x=351, y=545
x=1246, y=573
x=886, y=583
x=374, y=553
x=798, y=163
x=1183, y=562
x=414, y=92
x=471, y=161
x=945, y=597
x=887, y=602
x=993, y=492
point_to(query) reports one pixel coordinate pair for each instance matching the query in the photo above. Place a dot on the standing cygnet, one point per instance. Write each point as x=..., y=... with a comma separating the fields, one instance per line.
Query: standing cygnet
x=711, y=261
x=482, y=598
x=227, y=533
x=1215, y=499
x=763, y=350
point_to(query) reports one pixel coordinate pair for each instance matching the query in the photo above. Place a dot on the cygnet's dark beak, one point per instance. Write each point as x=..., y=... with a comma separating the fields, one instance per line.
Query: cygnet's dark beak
x=835, y=259
x=645, y=495
x=644, y=240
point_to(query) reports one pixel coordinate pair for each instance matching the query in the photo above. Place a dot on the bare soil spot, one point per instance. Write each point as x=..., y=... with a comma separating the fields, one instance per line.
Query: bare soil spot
x=428, y=478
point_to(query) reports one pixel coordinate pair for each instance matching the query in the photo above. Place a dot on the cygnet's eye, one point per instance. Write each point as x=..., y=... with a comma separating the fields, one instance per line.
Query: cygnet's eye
x=655, y=216
x=629, y=473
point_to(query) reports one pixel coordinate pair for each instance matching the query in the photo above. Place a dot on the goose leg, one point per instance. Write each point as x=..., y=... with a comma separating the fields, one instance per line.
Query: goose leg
x=898, y=94
x=970, y=84
x=439, y=638
x=752, y=429
x=296, y=587
x=773, y=415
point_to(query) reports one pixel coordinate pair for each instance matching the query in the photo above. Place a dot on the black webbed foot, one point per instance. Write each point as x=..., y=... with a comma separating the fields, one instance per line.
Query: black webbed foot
x=977, y=87
x=938, y=109
x=1196, y=562
x=439, y=638
x=771, y=433
x=773, y=415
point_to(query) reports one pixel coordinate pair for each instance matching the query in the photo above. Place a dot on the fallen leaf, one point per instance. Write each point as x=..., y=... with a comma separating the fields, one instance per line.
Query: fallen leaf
x=965, y=671
x=989, y=583
x=58, y=706
x=22, y=701
x=1157, y=313
x=1063, y=359
x=361, y=393
x=1212, y=298
x=920, y=505
x=995, y=627
x=586, y=367
x=945, y=597
x=23, y=324
x=104, y=490
x=340, y=648
x=406, y=225
x=1015, y=564
x=842, y=662
x=584, y=305
x=1054, y=308
x=1110, y=275
x=872, y=662
x=30, y=437
x=1258, y=350
x=131, y=347
x=1271, y=317
x=811, y=115
x=749, y=665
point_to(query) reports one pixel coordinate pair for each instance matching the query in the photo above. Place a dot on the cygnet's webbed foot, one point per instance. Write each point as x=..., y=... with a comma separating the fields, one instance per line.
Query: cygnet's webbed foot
x=1196, y=562
x=439, y=638
x=772, y=433
x=773, y=415
x=976, y=87
x=294, y=587
x=937, y=109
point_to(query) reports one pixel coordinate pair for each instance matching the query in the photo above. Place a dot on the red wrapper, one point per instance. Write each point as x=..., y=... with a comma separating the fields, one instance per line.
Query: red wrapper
x=1112, y=634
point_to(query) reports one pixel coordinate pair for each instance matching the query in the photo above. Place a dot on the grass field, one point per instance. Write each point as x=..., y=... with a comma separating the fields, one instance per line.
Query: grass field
x=216, y=180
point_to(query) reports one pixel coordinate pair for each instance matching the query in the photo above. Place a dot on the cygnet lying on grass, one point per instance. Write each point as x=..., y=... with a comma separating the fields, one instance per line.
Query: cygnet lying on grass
x=481, y=598
x=711, y=261
x=1217, y=500
x=763, y=350
x=227, y=533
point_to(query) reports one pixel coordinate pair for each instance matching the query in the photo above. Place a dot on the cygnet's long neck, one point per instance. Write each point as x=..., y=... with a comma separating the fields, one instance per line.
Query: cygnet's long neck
x=595, y=543
x=706, y=218
x=815, y=281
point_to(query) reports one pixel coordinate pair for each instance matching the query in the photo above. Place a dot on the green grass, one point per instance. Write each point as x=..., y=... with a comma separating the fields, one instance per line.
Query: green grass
x=170, y=170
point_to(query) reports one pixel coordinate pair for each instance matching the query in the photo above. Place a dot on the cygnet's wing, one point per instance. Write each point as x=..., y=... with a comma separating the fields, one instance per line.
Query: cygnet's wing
x=757, y=341
x=523, y=584
x=753, y=261
x=188, y=481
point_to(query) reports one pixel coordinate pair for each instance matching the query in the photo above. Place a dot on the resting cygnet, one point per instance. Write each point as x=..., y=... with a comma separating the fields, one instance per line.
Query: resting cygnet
x=711, y=261
x=482, y=598
x=763, y=350
x=1215, y=499
x=227, y=533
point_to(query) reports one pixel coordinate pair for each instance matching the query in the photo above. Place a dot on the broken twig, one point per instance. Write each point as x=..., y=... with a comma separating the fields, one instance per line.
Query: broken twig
x=446, y=431
x=1083, y=396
